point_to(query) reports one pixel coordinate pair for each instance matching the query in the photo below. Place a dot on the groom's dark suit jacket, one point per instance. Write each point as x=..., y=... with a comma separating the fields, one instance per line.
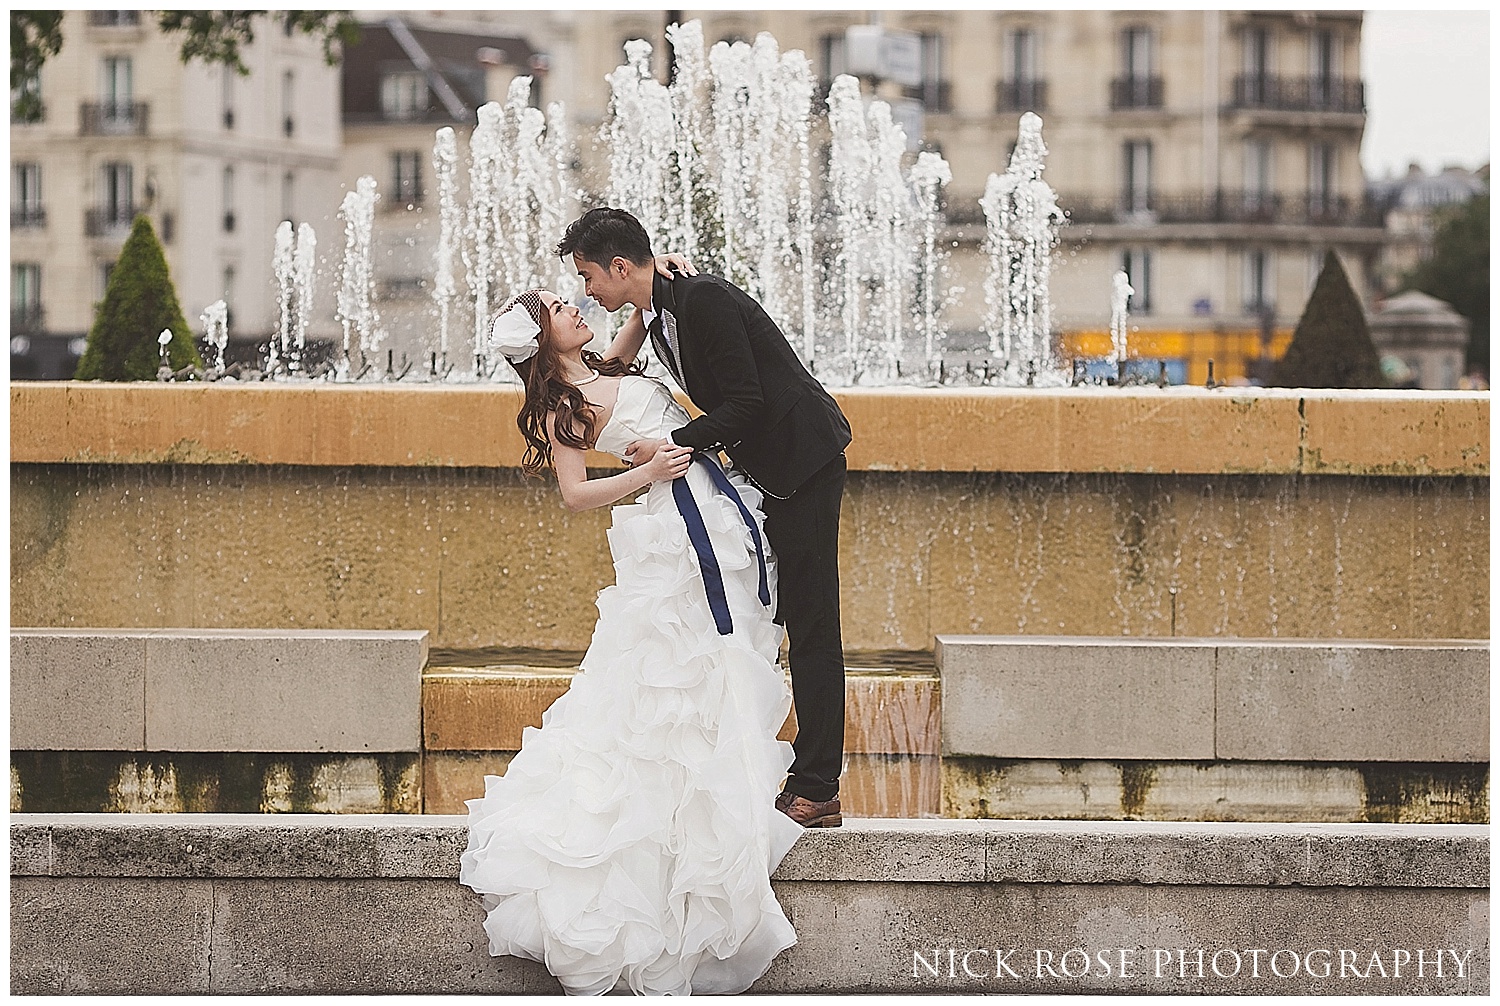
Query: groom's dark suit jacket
x=761, y=405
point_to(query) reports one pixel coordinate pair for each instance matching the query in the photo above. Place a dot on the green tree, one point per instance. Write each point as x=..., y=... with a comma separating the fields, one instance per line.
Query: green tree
x=139, y=303
x=1331, y=345
x=1459, y=271
x=214, y=36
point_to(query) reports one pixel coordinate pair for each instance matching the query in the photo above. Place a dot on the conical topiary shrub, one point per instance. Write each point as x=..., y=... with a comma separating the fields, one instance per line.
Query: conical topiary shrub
x=1331, y=346
x=139, y=303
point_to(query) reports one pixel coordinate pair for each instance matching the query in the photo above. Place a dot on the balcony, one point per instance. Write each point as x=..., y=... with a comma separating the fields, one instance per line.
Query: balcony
x=106, y=220
x=27, y=217
x=114, y=18
x=26, y=319
x=1021, y=96
x=1136, y=92
x=113, y=118
x=936, y=96
x=1298, y=94
x=1228, y=206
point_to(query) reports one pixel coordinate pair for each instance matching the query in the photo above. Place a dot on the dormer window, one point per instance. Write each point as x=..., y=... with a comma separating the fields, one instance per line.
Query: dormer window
x=403, y=95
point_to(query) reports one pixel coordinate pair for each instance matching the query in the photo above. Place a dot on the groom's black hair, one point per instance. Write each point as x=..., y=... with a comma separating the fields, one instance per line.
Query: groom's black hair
x=604, y=233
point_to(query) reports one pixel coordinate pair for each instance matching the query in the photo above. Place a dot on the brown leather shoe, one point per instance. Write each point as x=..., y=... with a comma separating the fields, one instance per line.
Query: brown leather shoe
x=810, y=813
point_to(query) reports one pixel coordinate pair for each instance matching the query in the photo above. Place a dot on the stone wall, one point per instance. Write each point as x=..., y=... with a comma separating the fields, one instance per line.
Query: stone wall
x=1117, y=513
x=303, y=903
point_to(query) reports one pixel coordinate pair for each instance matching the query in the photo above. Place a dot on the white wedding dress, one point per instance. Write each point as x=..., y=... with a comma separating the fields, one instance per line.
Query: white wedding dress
x=631, y=840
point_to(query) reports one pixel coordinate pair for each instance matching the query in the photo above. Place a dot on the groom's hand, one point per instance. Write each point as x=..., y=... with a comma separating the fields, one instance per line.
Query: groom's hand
x=638, y=452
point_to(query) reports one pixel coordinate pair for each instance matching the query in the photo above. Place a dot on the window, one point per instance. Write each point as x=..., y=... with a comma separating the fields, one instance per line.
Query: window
x=1259, y=283
x=226, y=96
x=1139, y=87
x=403, y=95
x=1320, y=178
x=229, y=293
x=288, y=187
x=25, y=295
x=228, y=199
x=26, y=195
x=407, y=176
x=1137, y=194
x=118, y=87
x=1258, y=175
x=1139, y=56
x=1022, y=50
x=1136, y=264
x=117, y=193
x=1257, y=66
x=1322, y=68
x=106, y=269
x=832, y=61
x=288, y=102
x=933, y=92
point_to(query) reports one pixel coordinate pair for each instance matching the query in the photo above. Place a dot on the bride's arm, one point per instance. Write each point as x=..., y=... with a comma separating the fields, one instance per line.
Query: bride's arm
x=579, y=492
x=628, y=340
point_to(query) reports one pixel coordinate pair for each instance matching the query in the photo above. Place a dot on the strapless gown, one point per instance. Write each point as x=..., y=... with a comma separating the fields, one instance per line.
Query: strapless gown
x=631, y=840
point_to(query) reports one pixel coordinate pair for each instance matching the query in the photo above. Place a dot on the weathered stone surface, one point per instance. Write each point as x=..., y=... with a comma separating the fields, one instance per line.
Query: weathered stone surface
x=1291, y=701
x=950, y=429
x=284, y=690
x=1392, y=792
x=30, y=850
x=1398, y=433
x=362, y=936
x=1029, y=697
x=451, y=777
x=864, y=899
x=486, y=708
x=863, y=937
x=937, y=850
x=96, y=935
x=74, y=690
x=931, y=850
x=921, y=553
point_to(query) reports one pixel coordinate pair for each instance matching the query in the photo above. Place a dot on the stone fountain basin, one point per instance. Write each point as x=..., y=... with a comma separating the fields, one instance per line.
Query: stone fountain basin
x=1148, y=430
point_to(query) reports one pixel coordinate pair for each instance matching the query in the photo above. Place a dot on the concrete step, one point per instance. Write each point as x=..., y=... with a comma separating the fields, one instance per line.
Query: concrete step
x=369, y=904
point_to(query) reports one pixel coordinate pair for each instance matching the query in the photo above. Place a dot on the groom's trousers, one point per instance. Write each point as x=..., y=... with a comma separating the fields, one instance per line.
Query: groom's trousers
x=804, y=532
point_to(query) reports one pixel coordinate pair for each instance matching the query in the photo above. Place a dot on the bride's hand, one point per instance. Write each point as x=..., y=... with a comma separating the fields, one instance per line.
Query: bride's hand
x=669, y=462
x=664, y=265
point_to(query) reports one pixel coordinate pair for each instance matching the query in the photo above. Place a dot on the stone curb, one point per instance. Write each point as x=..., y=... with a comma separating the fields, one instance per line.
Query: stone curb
x=922, y=851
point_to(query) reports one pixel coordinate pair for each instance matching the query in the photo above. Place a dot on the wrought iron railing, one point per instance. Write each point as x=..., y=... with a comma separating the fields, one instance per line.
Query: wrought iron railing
x=1021, y=96
x=1136, y=92
x=103, y=220
x=1298, y=94
x=113, y=117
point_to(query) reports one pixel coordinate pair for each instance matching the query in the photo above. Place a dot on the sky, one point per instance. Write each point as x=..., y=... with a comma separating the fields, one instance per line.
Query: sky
x=1427, y=78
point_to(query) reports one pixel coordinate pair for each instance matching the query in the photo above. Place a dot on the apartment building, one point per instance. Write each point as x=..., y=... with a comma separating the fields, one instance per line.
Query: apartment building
x=215, y=159
x=401, y=83
x=1211, y=155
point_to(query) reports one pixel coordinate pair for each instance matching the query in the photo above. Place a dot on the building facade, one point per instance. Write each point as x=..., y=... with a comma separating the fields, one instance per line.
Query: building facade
x=1212, y=155
x=215, y=159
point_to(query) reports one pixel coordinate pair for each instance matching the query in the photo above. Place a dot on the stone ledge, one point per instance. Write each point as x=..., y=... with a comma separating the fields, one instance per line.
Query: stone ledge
x=870, y=850
x=1183, y=430
x=242, y=690
x=1152, y=698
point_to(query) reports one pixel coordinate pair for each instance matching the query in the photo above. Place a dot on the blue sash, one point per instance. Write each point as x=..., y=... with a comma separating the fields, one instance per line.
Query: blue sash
x=713, y=579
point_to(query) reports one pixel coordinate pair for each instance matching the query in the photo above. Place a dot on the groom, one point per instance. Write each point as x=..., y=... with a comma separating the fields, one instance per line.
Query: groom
x=783, y=431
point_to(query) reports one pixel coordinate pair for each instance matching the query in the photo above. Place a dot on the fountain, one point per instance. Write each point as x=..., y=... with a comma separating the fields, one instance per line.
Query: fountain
x=719, y=165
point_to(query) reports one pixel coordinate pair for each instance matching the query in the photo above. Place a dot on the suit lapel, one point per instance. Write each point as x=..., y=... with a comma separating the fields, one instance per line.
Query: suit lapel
x=663, y=298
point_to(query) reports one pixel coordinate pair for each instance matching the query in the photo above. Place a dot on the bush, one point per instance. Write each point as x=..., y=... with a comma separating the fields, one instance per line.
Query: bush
x=139, y=303
x=1331, y=346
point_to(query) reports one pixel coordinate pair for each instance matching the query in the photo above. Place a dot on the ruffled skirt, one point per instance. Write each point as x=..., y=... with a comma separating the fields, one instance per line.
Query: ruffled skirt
x=632, y=839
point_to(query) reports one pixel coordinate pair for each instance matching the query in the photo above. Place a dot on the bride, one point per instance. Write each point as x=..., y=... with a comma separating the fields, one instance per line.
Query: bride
x=631, y=840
